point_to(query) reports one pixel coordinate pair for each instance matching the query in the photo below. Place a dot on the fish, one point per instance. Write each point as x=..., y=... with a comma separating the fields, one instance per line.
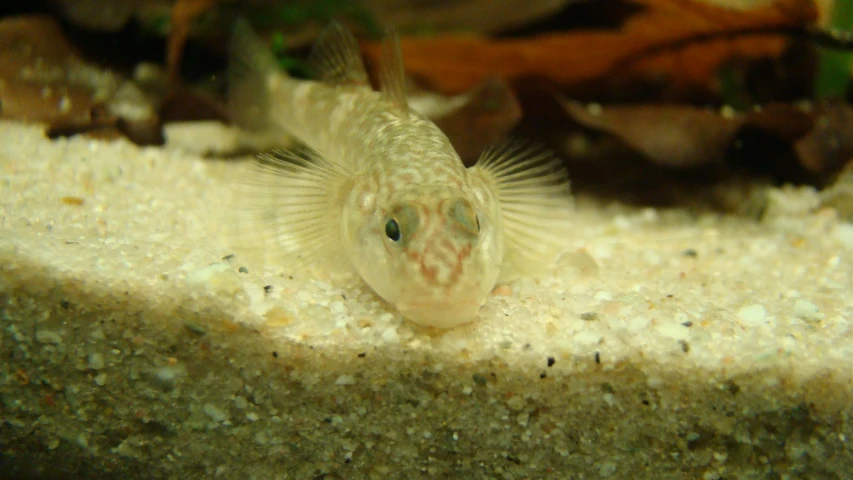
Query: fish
x=378, y=189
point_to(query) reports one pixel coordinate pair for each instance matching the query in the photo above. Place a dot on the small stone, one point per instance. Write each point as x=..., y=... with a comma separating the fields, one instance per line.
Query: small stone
x=515, y=403
x=95, y=361
x=603, y=296
x=97, y=334
x=278, y=317
x=72, y=395
x=675, y=331
x=337, y=307
x=807, y=310
x=100, y=379
x=589, y=316
x=502, y=290
x=218, y=278
x=582, y=261
x=252, y=417
x=345, y=380
x=640, y=322
x=215, y=413
x=46, y=336
x=166, y=377
x=844, y=234
x=195, y=328
x=389, y=335
x=607, y=468
x=753, y=315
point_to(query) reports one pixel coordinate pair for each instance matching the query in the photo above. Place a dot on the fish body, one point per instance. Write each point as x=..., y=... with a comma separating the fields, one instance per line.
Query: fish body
x=381, y=188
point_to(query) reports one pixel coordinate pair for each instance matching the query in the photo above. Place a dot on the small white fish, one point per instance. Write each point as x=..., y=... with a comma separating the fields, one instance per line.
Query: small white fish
x=381, y=188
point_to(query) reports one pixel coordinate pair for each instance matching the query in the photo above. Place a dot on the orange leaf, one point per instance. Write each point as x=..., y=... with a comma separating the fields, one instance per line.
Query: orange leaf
x=455, y=63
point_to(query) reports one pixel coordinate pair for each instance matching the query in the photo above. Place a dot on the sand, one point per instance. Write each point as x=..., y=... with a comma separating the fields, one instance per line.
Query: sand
x=137, y=343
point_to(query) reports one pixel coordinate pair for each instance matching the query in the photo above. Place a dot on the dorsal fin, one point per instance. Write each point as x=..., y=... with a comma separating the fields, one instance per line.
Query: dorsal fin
x=250, y=65
x=336, y=58
x=392, y=78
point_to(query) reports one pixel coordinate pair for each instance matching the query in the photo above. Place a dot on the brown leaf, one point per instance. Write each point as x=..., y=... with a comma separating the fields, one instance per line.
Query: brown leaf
x=489, y=113
x=828, y=146
x=574, y=59
x=673, y=135
x=106, y=15
x=37, y=66
x=34, y=36
x=467, y=15
x=787, y=142
x=184, y=105
x=784, y=121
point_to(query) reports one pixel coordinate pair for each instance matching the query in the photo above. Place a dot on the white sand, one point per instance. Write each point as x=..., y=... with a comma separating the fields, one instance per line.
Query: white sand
x=679, y=346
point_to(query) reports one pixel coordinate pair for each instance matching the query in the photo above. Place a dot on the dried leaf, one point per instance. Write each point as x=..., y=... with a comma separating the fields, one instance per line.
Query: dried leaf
x=183, y=105
x=828, y=146
x=787, y=142
x=575, y=59
x=106, y=15
x=468, y=15
x=42, y=78
x=783, y=121
x=487, y=115
x=673, y=135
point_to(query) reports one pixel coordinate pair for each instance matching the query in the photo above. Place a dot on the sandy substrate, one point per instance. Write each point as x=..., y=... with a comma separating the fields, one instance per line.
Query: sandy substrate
x=664, y=345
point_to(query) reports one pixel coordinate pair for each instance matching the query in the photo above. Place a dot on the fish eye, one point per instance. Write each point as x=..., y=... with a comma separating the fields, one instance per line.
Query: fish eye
x=392, y=230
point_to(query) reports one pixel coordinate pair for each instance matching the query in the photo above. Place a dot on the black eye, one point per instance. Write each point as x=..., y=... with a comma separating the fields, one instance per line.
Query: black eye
x=392, y=230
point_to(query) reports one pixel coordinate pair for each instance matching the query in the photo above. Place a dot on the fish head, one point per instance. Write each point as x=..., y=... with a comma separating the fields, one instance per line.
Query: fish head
x=432, y=251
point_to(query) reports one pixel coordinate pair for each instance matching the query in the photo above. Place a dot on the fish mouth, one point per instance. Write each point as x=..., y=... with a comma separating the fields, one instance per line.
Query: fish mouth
x=440, y=313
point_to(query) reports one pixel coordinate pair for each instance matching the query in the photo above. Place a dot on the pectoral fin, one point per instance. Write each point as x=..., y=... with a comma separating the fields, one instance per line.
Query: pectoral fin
x=290, y=204
x=532, y=188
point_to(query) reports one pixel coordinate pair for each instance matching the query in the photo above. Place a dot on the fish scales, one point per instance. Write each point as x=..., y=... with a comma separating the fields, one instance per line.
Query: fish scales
x=383, y=189
x=359, y=127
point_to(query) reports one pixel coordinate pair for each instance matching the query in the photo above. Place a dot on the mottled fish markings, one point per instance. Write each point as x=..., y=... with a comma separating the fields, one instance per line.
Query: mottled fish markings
x=381, y=189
